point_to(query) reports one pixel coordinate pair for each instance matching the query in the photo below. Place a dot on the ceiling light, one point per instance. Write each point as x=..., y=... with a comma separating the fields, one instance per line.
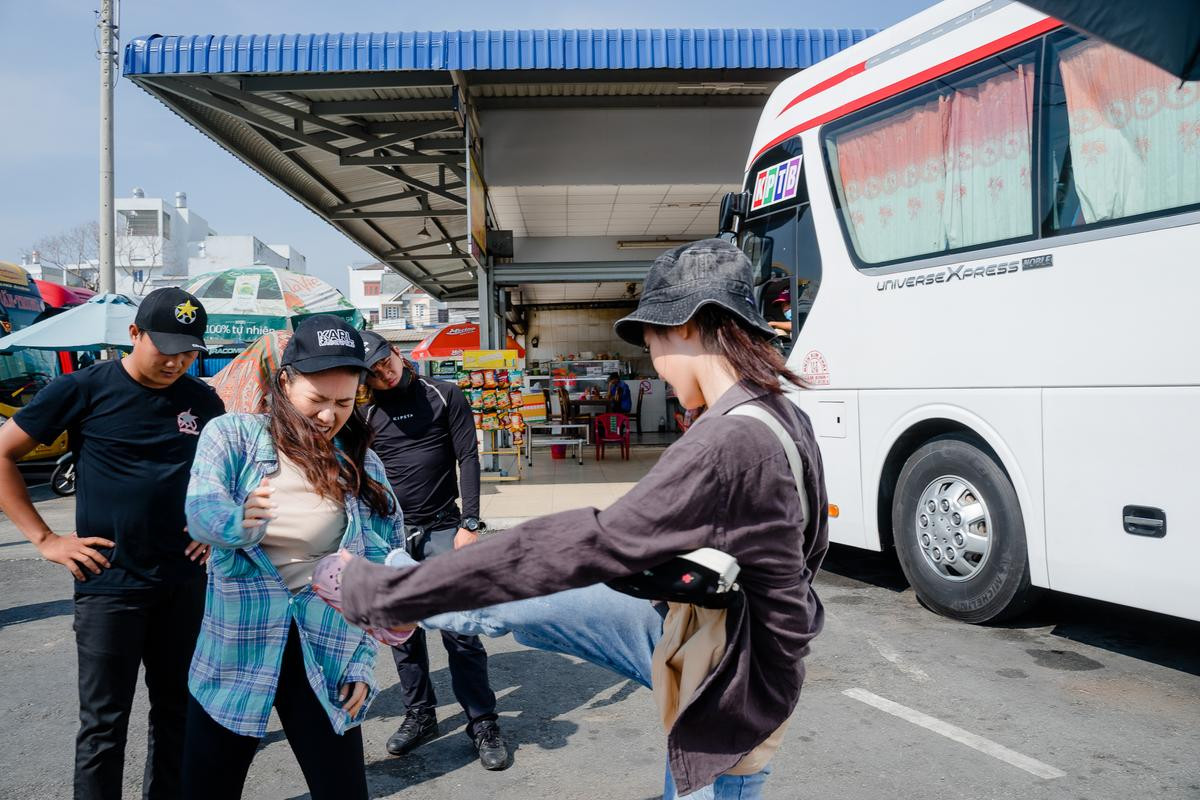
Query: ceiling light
x=647, y=244
x=424, y=233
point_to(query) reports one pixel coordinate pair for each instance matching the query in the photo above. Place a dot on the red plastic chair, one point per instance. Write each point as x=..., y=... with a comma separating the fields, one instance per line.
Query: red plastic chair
x=612, y=429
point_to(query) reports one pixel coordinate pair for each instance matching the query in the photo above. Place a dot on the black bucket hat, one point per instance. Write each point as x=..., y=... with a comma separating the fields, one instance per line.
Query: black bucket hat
x=684, y=280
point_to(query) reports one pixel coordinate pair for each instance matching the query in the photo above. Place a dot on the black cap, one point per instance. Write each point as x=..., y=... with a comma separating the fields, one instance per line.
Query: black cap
x=324, y=342
x=684, y=280
x=377, y=348
x=174, y=320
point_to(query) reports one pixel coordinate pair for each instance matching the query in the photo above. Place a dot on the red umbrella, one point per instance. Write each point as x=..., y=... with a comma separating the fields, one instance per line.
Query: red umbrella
x=56, y=295
x=452, y=340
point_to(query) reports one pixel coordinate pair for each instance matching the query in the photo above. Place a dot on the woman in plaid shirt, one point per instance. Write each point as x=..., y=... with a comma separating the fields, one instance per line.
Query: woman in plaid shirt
x=273, y=493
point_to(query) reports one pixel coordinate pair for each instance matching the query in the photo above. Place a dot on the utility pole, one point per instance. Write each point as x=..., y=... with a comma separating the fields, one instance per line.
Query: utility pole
x=108, y=266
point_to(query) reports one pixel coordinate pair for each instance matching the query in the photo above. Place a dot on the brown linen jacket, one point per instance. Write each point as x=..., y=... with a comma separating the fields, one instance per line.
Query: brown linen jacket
x=726, y=484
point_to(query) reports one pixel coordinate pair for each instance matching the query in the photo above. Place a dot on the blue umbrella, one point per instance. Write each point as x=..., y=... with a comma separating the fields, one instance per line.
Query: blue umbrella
x=102, y=322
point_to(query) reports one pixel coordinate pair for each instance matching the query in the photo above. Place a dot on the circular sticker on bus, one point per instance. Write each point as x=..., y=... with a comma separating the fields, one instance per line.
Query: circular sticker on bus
x=814, y=370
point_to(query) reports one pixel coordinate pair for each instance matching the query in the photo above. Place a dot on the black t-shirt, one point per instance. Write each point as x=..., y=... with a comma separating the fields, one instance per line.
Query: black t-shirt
x=421, y=432
x=134, y=448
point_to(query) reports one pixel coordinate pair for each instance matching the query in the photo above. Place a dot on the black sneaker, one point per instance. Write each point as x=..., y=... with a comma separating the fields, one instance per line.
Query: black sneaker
x=418, y=728
x=493, y=752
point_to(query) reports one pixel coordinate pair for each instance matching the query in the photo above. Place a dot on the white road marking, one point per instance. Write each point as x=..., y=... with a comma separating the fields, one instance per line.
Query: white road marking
x=972, y=740
x=901, y=663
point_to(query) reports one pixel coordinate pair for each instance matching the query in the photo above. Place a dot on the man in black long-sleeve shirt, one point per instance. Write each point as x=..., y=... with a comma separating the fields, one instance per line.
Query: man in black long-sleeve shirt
x=424, y=429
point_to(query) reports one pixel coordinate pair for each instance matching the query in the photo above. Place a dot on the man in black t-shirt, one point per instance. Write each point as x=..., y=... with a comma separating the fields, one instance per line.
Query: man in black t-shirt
x=139, y=580
x=423, y=430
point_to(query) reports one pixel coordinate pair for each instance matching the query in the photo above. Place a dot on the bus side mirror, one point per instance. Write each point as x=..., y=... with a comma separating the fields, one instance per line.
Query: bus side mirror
x=734, y=206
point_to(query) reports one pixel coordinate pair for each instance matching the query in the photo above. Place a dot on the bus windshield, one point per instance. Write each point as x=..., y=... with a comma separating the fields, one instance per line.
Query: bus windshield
x=24, y=372
x=787, y=267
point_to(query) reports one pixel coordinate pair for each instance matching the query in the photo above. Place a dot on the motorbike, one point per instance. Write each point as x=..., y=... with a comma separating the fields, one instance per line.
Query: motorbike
x=62, y=480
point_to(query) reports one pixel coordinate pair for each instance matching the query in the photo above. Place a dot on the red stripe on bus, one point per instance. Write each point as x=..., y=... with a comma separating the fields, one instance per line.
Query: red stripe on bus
x=825, y=84
x=966, y=59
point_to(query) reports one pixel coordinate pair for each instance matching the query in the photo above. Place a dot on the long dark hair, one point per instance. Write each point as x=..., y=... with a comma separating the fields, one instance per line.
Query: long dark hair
x=752, y=357
x=330, y=473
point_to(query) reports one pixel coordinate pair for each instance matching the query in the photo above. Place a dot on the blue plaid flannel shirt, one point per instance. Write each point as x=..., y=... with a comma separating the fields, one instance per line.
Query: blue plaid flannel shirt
x=249, y=610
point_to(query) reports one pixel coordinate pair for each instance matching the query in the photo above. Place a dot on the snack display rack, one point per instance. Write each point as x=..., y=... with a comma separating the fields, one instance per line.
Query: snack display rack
x=496, y=402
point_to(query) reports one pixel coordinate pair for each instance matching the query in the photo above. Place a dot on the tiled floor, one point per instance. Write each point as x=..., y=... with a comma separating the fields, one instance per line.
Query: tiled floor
x=558, y=485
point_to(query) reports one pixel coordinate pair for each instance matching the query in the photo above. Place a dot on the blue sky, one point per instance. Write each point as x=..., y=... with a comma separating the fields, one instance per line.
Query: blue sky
x=49, y=135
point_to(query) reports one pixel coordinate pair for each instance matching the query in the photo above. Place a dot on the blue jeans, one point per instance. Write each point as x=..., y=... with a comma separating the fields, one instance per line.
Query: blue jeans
x=600, y=625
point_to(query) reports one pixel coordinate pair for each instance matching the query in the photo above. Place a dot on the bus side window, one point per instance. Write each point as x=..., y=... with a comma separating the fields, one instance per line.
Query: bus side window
x=1122, y=137
x=944, y=167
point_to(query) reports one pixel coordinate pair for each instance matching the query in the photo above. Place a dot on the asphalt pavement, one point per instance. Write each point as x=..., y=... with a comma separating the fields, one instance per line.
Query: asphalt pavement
x=1079, y=700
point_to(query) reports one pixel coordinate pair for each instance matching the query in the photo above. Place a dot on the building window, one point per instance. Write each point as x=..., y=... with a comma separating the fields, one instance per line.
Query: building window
x=166, y=226
x=371, y=288
x=1122, y=138
x=944, y=167
x=139, y=222
x=373, y=317
x=391, y=312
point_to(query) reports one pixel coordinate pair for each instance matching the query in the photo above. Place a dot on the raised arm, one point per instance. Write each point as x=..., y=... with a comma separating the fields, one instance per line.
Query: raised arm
x=217, y=514
x=673, y=510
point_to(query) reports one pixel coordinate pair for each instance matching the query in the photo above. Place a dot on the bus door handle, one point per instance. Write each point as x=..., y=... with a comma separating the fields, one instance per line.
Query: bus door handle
x=1145, y=521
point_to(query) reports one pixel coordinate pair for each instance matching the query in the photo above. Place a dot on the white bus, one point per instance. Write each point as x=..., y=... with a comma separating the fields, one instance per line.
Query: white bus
x=985, y=230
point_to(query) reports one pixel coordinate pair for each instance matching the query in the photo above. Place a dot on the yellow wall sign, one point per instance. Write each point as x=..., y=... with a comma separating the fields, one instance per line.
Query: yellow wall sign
x=490, y=359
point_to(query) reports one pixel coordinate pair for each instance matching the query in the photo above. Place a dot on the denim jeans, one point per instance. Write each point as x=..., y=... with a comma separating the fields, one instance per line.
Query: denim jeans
x=600, y=625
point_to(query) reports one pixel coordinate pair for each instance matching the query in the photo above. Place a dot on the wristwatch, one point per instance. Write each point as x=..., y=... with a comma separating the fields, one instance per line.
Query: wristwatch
x=472, y=524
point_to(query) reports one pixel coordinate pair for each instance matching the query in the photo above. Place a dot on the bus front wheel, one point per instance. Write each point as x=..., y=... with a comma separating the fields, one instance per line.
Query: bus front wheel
x=959, y=533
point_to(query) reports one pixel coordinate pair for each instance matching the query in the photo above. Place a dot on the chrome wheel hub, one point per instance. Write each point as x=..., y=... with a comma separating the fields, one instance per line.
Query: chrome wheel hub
x=953, y=528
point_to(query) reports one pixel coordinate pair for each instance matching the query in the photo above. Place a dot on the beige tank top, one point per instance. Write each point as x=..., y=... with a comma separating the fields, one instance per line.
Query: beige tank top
x=307, y=527
x=692, y=643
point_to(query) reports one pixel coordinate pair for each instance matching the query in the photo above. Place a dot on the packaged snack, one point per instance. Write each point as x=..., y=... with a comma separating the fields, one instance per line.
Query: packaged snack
x=502, y=400
x=478, y=420
x=516, y=423
x=502, y=378
x=477, y=379
x=518, y=438
x=489, y=379
x=515, y=398
x=475, y=397
x=464, y=379
x=516, y=378
x=489, y=401
x=490, y=422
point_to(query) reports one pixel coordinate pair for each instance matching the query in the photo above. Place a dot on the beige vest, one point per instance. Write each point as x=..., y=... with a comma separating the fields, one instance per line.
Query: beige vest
x=307, y=527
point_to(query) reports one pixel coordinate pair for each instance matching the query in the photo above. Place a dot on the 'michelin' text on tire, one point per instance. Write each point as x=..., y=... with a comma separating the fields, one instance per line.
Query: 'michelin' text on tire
x=959, y=532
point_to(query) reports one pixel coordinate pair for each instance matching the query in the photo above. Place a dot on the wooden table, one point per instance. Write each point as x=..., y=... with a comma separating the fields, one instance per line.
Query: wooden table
x=601, y=404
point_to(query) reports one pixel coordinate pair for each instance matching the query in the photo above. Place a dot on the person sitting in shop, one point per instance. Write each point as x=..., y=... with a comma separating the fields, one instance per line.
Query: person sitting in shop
x=619, y=398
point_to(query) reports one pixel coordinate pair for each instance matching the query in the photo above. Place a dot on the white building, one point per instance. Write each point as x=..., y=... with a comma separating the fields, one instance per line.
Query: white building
x=387, y=300
x=166, y=244
x=366, y=284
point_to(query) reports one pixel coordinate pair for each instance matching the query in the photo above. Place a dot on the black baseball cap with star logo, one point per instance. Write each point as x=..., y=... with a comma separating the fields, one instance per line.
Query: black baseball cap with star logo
x=174, y=320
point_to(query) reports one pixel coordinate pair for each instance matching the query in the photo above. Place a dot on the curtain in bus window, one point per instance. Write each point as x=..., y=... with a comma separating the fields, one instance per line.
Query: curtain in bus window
x=892, y=177
x=1134, y=133
x=988, y=197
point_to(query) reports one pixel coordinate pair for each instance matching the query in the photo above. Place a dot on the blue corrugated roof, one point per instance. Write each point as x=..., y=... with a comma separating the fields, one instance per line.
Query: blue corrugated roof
x=624, y=48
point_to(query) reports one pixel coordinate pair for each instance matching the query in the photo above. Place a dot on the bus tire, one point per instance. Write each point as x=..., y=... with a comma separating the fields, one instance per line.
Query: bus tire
x=959, y=532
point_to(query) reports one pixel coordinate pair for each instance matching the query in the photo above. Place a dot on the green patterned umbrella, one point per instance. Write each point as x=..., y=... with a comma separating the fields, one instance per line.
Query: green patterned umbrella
x=246, y=303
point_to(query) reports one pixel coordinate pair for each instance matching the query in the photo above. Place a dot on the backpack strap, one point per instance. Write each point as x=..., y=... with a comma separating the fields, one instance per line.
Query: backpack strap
x=789, y=446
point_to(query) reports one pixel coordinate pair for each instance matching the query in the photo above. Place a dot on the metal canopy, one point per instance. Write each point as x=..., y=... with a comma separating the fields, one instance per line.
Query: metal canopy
x=369, y=131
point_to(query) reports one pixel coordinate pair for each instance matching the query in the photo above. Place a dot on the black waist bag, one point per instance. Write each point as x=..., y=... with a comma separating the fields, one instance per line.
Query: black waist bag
x=708, y=577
